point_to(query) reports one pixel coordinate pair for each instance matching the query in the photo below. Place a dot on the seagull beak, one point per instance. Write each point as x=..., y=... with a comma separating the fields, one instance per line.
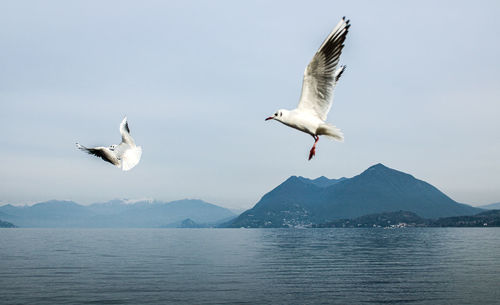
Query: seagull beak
x=269, y=118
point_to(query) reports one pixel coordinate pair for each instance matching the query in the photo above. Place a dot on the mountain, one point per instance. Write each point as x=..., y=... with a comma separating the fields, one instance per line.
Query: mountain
x=491, y=206
x=6, y=224
x=115, y=213
x=299, y=201
x=189, y=223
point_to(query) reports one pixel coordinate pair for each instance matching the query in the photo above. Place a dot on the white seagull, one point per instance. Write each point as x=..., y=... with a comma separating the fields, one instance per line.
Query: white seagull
x=320, y=78
x=125, y=155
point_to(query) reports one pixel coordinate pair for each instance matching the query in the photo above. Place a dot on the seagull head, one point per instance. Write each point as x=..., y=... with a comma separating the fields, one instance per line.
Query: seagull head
x=278, y=115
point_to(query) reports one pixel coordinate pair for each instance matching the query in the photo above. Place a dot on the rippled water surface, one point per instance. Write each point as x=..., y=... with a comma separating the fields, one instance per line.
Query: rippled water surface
x=250, y=266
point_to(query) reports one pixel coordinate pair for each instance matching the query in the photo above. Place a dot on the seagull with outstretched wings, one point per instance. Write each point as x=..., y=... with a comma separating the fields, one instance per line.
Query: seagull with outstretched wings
x=125, y=155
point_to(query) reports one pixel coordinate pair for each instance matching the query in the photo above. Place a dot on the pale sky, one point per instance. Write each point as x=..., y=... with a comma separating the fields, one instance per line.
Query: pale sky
x=196, y=79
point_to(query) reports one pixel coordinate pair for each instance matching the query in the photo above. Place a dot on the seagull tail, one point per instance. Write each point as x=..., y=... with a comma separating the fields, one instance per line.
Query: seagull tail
x=131, y=157
x=330, y=131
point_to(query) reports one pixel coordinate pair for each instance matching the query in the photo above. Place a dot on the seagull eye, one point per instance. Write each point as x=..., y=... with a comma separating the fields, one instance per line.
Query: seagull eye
x=276, y=114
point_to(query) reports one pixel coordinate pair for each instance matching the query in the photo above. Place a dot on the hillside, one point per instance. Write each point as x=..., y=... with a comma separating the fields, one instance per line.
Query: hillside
x=387, y=219
x=408, y=219
x=485, y=219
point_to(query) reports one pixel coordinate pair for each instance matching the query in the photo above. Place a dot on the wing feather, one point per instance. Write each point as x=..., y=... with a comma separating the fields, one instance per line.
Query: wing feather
x=321, y=75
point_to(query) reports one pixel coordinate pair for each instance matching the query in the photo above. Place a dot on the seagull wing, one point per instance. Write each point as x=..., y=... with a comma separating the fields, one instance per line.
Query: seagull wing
x=102, y=152
x=322, y=74
x=125, y=132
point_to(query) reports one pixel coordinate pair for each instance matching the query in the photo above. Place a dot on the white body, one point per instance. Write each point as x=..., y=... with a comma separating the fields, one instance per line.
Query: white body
x=309, y=123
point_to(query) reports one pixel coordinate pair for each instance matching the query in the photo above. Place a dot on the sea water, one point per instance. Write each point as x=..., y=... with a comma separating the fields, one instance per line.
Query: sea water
x=250, y=266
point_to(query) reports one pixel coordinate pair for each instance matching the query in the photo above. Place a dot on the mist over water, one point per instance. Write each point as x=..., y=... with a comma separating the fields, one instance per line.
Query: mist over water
x=252, y=266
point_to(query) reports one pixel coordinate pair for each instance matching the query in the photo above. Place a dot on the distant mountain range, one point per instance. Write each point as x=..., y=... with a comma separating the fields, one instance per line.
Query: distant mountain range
x=491, y=206
x=304, y=202
x=297, y=202
x=115, y=213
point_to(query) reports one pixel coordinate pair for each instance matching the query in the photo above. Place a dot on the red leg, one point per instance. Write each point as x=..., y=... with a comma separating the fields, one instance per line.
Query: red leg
x=313, y=149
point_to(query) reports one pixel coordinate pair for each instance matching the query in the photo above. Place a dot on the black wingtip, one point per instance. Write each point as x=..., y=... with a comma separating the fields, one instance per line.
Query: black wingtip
x=343, y=68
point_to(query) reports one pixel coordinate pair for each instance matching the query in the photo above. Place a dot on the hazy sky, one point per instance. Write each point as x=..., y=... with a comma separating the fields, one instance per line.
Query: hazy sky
x=197, y=78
